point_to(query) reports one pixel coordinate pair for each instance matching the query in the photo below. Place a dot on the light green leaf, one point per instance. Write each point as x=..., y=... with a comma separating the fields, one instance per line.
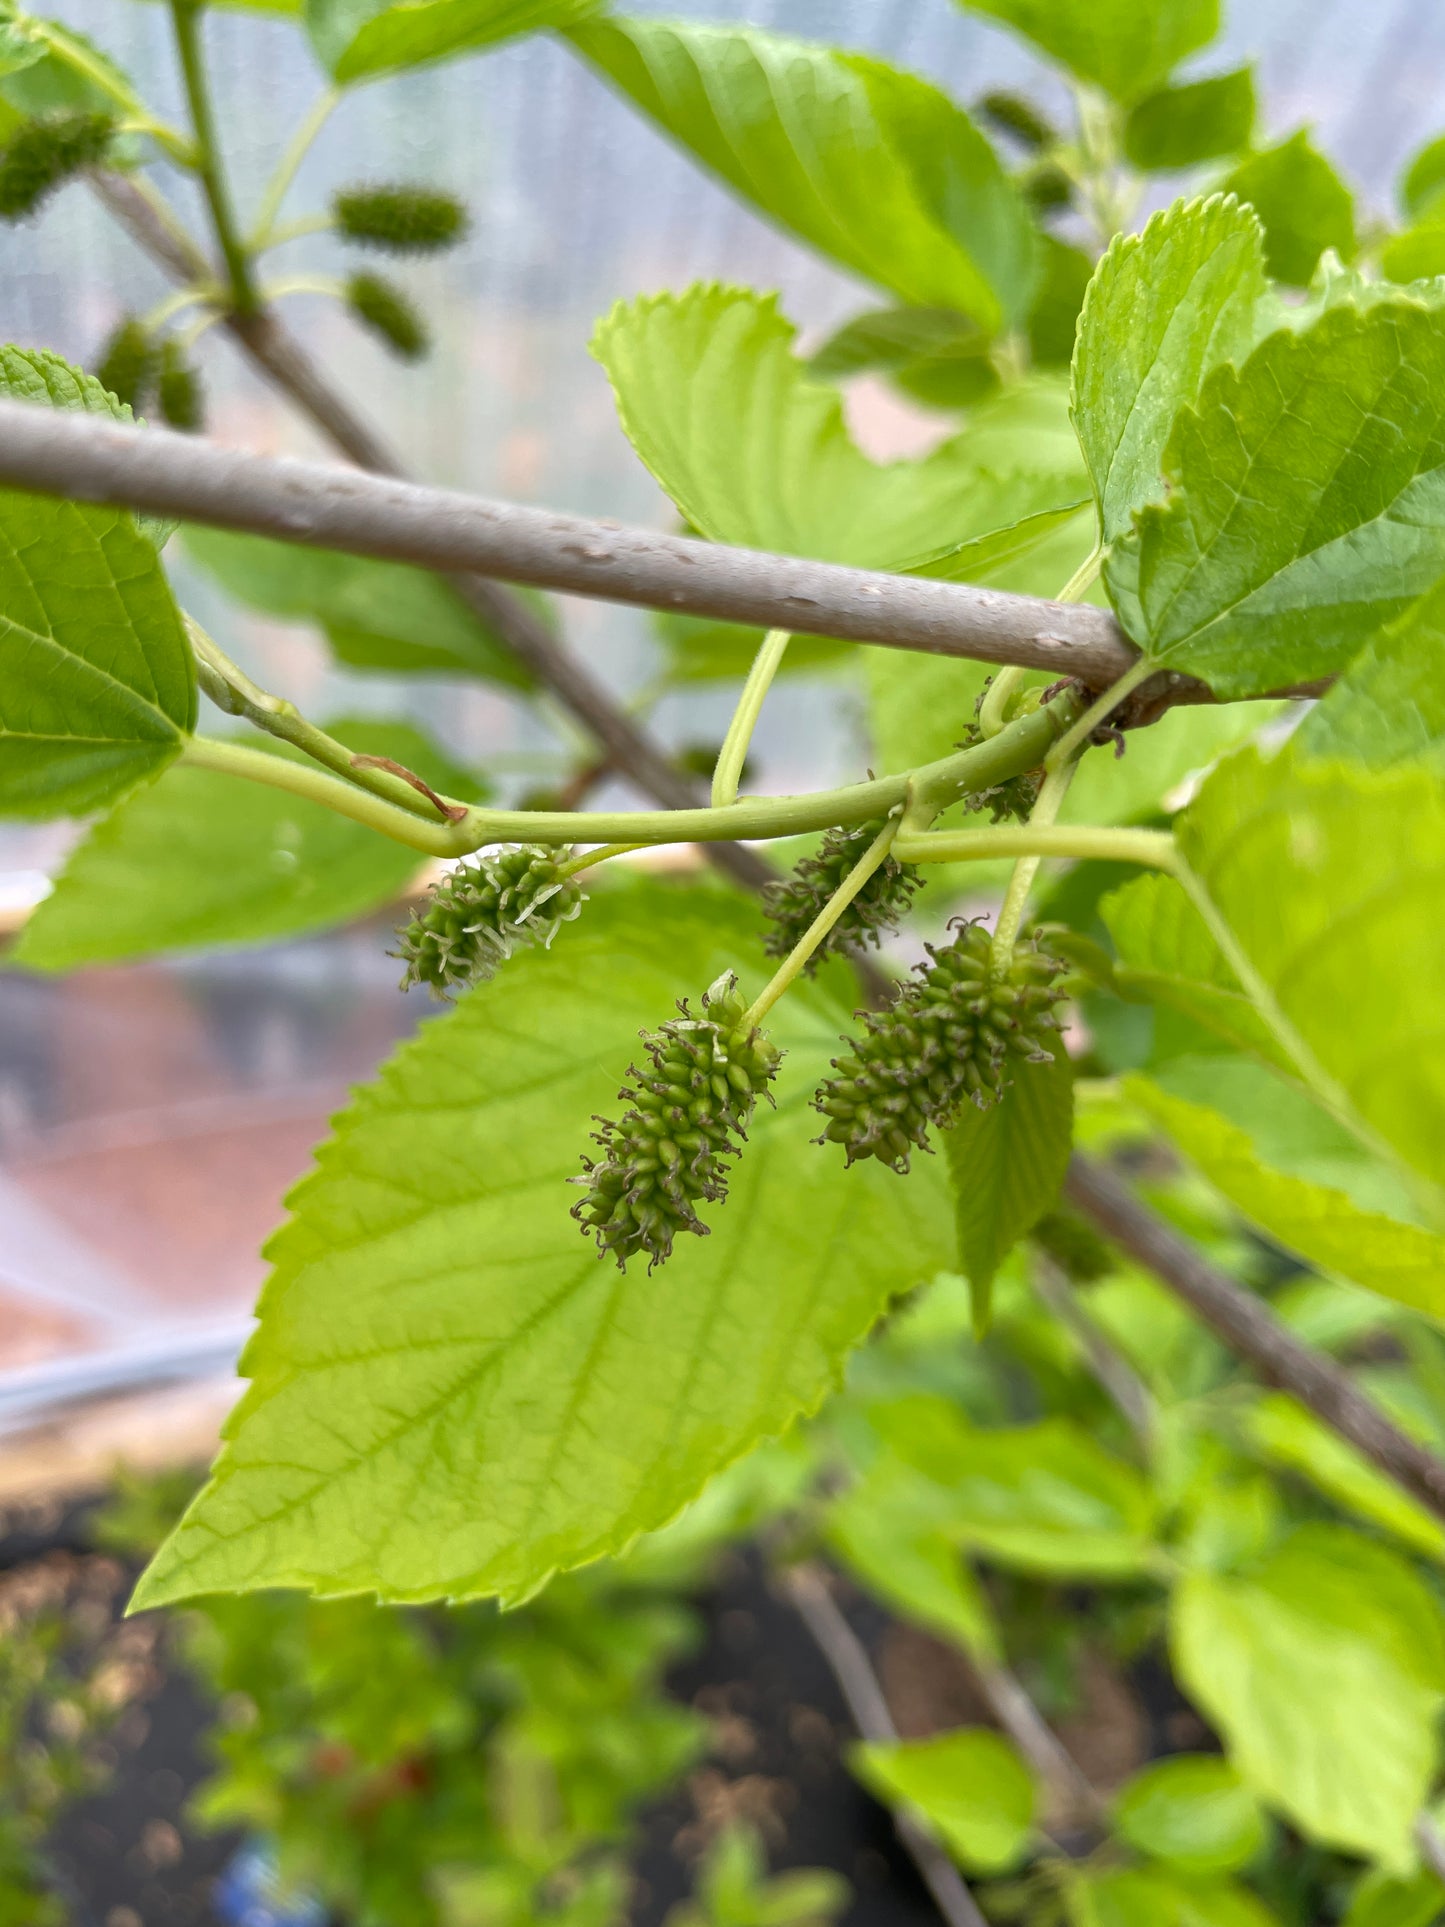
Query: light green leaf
x=1007, y=1164
x=1297, y=1173
x=1192, y=1811
x=1292, y=1438
x=97, y=683
x=52, y=84
x=1200, y=120
x=1381, y=1901
x=756, y=453
x=1422, y=185
x=1152, y=1897
x=375, y=615
x=1164, y=308
x=1044, y=1497
x=870, y=165
x=19, y=47
x=935, y=355
x=1328, y=879
x=1324, y=1669
x=202, y=859
x=970, y=1784
x=1306, y=505
x=358, y=39
x=450, y=1394
x=1064, y=276
x=889, y=1530
x=1389, y=706
x=1303, y=203
x=1416, y=255
x=1127, y=47
x=1159, y=761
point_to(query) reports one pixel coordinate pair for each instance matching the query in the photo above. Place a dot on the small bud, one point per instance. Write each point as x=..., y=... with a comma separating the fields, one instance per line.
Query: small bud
x=383, y=308
x=1074, y=1245
x=1046, y=187
x=403, y=220
x=1012, y=114
x=793, y=902
x=128, y=363
x=45, y=153
x=689, y=1111
x=179, y=390
x=946, y=1039
x=483, y=911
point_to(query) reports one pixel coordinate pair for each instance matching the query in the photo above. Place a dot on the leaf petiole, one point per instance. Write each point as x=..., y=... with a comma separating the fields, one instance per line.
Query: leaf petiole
x=734, y=751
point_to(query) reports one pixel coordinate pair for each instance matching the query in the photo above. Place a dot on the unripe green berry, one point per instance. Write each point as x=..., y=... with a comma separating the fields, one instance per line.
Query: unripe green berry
x=401, y=219
x=381, y=306
x=1012, y=114
x=793, y=902
x=482, y=912
x=179, y=390
x=947, y=1039
x=45, y=153
x=688, y=1113
x=128, y=363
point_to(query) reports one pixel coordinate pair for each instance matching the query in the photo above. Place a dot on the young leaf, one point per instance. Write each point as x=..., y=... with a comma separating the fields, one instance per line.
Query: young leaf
x=870, y=165
x=1201, y=120
x=202, y=859
x=1389, y=706
x=1291, y=1438
x=1291, y=1169
x=1192, y=1811
x=756, y=453
x=450, y=1395
x=53, y=84
x=970, y=1784
x=1064, y=276
x=1164, y=308
x=97, y=682
x=1306, y=505
x=380, y=616
x=1007, y=1164
x=935, y=355
x=1422, y=185
x=1127, y=47
x=1303, y=203
x=1324, y=1669
x=1382, y=1901
x=1156, y=1897
x=358, y=39
x=1328, y=879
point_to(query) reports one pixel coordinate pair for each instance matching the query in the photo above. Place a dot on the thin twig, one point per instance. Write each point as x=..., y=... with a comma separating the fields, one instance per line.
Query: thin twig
x=850, y=1666
x=1113, y=1371
x=1253, y=1332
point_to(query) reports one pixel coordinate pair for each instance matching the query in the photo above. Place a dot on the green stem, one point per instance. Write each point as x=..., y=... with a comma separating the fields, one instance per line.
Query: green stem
x=1084, y=577
x=346, y=799
x=1011, y=911
x=798, y=957
x=176, y=304
x=297, y=230
x=80, y=60
x=232, y=690
x=1098, y=711
x=327, y=284
x=590, y=857
x=186, y=22
x=1153, y=848
x=263, y=234
x=734, y=751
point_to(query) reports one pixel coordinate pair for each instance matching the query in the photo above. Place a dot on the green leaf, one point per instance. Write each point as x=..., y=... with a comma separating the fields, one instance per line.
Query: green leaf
x=1159, y=762
x=1303, y=203
x=376, y=615
x=1422, y=185
x=1294, y=1440
x=1381, y=1901
x=870, y=165
x=970, y=1784
x=1164, y=308
x=1200, y=120
x=97, y=682
x=1064, y=276
x=1328, y=879
x=1324, y=1669
x=1127, y=47
x=1192, y=1811
x=52, y=85
x=1306, y=503
x=202, y=859
x=1007, y=1164
x=754, y=452
x=450, y=1394
x=935, y=355
x=1297, y=1173
x=1389, y=706
x=1044, y=1497
x=1416, y=255
x=889, y=1530
x=358, y=39
x=1152, y=1897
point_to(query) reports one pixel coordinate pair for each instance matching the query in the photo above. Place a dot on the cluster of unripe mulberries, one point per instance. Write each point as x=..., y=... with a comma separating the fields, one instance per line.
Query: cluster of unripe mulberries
x=144, y=370
x=484, y=911
x=397, y=219
x=687, y=1114
x=794, y=901
x=45, y=153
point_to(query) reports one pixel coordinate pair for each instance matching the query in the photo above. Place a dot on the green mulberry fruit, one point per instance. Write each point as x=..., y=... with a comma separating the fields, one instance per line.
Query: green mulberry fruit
x=793, y=902
x=483, y=911
x=403, y=220
x=129, y=363
x=1012, y=114
x=45, y=154
x=382, y=307
x=689, y=1111
x=947, y=1038
x=178, y=390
